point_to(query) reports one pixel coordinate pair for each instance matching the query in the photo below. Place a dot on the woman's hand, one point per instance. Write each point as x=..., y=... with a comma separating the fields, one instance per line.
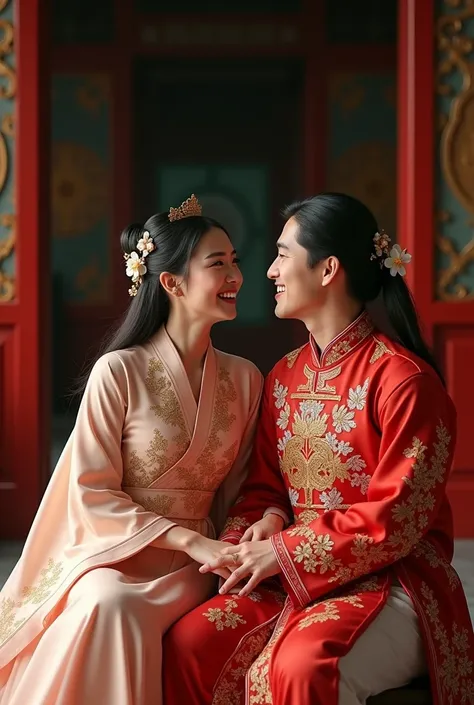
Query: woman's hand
x=255, y=559
x=205, y=551
x=263, y=529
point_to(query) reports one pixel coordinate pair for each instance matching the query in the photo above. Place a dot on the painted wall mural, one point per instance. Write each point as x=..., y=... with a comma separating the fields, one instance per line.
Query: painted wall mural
x=455, y=157
x=237, y=197
x=361, y=155
x=80, y=186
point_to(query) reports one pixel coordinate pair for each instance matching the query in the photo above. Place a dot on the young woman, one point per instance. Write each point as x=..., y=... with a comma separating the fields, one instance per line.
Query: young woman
x=154, y=462
x=345, y=502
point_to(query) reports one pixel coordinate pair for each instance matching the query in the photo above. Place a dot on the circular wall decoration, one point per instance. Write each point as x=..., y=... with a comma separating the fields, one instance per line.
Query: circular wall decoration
x=224, y=210
x=367, y=171
x=79, y=189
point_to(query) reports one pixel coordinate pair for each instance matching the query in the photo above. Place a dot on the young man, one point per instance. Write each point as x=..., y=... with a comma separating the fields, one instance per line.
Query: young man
x=340, y=580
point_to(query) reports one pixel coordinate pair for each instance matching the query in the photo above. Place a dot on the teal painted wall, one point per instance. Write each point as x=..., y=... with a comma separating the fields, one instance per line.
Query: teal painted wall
x=361, y=153
x=81, y=186
x=237, y=197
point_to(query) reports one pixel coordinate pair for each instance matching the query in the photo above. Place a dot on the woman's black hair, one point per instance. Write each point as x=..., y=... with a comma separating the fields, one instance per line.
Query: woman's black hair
x=334, y=224
x=175, y=242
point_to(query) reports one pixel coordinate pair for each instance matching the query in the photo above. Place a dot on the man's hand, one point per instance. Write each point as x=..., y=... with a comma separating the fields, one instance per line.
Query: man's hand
x=263, y=529
x=255, y=559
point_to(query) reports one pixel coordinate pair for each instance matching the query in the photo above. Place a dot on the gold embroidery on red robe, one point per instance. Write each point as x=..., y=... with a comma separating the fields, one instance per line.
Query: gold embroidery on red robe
x=456, y=668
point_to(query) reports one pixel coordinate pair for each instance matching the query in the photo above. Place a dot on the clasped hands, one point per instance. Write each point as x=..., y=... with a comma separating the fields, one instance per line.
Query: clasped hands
x=252, y=558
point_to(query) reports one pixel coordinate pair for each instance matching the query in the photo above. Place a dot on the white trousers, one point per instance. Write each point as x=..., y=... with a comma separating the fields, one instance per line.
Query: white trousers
x=389, y=654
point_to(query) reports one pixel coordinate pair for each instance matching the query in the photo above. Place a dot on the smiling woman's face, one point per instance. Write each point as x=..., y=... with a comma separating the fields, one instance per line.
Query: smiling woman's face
x=213, y=281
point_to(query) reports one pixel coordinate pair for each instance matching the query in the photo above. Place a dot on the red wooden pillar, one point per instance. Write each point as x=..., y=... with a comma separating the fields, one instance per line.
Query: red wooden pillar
x=416, y=148
x=24, y=328
x=448, y=322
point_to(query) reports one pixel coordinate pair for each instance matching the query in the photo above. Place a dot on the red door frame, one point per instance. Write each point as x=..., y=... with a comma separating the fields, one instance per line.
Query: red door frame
x=24, y=323
x=449, y=326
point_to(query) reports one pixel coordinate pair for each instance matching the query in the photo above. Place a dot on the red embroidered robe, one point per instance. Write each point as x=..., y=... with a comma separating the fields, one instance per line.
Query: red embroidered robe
x=356, y=445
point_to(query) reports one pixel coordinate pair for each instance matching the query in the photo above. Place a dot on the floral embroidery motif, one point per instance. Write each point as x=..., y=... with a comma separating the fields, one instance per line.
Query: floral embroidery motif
x=35, y=594
x=314, y=551
x=358, y=396
x=313, y=457
x=331, y=500
x=139, y=472
x=167, y=407
x=255, y=597
x=294, y=496
x=229, y=689
x=258, y=679
x=307, y=516
x=209, y=470
x=158, y=504
x=234, y=524
x=356, y=333
x=342, y=419
x=284, y=417
x=279, y=392
x=410, y=514
x=328, y=609
x=380, y=350
x=225, y=618
x=8, y=621
x=456, y=669
x=292, y=357
x=49, y=576
x=426, y=551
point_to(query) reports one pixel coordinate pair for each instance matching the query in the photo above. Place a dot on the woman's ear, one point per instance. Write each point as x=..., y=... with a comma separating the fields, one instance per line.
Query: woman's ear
x=169, y=283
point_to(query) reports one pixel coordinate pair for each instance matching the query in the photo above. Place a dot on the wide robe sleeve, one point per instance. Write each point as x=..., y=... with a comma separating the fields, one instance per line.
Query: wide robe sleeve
x=264, y=488
x=98, y=507
x=417, y=422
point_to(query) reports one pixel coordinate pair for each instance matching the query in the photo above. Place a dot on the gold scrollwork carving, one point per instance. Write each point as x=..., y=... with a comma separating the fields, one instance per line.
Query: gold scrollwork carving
x=457, y=142
x=7, y=92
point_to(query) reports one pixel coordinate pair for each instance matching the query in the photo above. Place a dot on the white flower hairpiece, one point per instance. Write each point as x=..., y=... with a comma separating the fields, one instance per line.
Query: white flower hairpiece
x=135, y=267
x=394, y=258
x=397, y=260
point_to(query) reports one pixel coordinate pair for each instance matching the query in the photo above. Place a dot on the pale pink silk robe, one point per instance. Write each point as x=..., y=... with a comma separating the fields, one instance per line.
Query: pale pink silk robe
x=83, y=613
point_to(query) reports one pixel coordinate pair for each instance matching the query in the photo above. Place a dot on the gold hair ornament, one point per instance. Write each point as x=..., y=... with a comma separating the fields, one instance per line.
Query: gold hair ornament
x=187, y=209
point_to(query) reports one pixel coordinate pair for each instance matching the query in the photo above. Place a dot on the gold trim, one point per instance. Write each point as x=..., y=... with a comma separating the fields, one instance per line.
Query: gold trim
x=7, y=92
x=456, y=149
x=458, y=262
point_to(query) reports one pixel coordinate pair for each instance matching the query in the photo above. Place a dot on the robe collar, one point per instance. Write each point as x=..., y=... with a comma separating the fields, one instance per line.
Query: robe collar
x=344, y=343
x=197, y=415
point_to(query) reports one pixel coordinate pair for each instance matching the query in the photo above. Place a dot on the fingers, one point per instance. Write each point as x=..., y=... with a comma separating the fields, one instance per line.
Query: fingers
x=258, y=534
x=234, y=579
x=250, y=585
x=224, y=560
x=216, y=564
x=247, y=536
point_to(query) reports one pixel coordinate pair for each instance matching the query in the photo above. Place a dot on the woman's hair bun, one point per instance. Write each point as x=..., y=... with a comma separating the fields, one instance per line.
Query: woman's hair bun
x=130, y=237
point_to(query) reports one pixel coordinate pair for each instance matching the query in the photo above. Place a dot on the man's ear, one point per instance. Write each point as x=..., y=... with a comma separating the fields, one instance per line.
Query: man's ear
x=331, y=267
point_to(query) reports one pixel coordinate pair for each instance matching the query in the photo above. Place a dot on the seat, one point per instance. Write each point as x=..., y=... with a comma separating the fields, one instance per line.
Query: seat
x=416, y=693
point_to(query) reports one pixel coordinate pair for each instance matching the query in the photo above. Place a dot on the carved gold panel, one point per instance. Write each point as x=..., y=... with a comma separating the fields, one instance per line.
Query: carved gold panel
x=455, y=41
x=7, y=96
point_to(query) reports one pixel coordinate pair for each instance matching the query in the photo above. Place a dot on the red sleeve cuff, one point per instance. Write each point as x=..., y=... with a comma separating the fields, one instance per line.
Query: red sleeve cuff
x=290, y=579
